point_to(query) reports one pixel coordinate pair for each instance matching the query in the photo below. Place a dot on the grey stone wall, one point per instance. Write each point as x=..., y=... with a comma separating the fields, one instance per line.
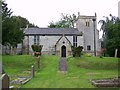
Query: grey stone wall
x=49, y=43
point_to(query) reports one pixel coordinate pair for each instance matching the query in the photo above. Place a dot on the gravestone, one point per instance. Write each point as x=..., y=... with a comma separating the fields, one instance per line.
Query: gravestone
x=62, y=65
x=32, y=71
x=5, y=82
x=116, y=51
x=38, y=62
x=0, y=73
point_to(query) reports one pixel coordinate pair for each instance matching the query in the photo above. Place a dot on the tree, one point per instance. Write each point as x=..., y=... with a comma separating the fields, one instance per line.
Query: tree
x=111, y=34
x=6, y=13
x=12, y=34
x=12, y=28
x=24, y=22
x=67, y=21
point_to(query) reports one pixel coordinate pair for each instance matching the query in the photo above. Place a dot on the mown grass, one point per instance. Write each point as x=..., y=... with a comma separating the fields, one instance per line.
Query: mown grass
x=80, y=72
x=17, y=64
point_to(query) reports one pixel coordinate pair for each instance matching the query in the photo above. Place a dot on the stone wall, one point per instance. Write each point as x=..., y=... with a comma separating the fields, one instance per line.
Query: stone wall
x=49, y=43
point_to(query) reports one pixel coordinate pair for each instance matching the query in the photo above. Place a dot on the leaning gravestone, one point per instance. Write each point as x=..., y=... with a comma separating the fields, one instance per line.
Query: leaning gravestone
x=116, y=51
x=5, y=82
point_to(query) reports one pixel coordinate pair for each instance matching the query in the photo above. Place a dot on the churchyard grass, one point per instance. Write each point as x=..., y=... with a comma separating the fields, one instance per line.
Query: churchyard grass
x=17, y=64
x=80, y=72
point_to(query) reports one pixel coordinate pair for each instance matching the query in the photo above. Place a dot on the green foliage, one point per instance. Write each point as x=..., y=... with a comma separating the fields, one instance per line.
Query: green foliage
x=12, y=35
x=5, y=11
x=37, y=49
x=67, y=21
x=12, y=28
x=111, y=35
x=88, y=55
x=24, y=22
x=76, y=51
x=17, y=64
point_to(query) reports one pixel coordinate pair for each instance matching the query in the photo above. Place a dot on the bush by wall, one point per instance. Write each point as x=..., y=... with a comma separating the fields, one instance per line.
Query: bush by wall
x=76, y=51
x=37, y=49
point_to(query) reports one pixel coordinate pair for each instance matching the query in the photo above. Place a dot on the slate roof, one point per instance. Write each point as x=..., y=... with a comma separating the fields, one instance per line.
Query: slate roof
x=52, y=31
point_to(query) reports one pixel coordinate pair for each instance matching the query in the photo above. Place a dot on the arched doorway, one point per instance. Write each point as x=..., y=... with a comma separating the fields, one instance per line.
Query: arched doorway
x=63, y=51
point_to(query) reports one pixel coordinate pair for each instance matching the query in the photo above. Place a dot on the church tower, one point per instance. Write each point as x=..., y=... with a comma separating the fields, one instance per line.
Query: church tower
x=88, y=26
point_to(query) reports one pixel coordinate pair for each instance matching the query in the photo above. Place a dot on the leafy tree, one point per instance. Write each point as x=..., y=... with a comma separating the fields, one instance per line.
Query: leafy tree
x=111, y=34
x=24, y=22
x=6, y=13
x=12, y=28
x=12, y=34
x=67, y=21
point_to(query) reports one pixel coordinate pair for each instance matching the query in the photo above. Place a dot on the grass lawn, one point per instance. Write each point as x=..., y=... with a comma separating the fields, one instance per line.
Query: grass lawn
x=16, y=65
x=80, y=72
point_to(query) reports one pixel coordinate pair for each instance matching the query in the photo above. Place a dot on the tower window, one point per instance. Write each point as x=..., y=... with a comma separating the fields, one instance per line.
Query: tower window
x=87, y=24
x=88, y=47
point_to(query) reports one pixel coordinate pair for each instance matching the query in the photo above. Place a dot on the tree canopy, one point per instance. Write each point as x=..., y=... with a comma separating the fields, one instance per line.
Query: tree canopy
x=111, y=34
x=66, y=21
x=12, y=27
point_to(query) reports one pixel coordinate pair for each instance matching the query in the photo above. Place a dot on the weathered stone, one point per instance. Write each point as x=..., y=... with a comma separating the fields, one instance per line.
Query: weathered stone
x=62, y=64
x=116, y=51
x=5, y=81
x=106, y=83
x=32, y=71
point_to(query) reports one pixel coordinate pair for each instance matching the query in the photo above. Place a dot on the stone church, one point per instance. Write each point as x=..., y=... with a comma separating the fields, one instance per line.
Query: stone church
x=58, y=41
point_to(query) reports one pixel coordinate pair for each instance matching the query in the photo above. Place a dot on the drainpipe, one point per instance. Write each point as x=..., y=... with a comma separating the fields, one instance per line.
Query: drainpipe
x=94, y=37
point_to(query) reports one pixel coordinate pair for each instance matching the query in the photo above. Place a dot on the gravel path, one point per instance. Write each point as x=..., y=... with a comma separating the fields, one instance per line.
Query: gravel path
x=62, y=64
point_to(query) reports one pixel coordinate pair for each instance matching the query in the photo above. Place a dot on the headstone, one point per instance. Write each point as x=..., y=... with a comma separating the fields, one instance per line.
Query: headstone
x=116, y=50
x=38, y=62
x=32, y=71
x=0, y=72
x=5, y=82
x=0, y=82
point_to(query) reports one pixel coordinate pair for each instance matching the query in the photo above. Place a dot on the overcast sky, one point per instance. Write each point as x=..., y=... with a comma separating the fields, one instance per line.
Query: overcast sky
x=41, y=12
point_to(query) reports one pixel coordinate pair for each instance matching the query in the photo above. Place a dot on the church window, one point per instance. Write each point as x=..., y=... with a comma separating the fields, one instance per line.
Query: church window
x=75, y=41
x=36, y=40
x=88, y=47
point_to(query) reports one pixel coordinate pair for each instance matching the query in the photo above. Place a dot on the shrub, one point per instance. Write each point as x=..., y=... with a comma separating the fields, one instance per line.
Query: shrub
x=88, y=55
x=76, y=51
x=37, y=49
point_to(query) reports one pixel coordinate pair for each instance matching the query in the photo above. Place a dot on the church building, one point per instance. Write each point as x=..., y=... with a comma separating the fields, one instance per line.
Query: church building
x=58, y=41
